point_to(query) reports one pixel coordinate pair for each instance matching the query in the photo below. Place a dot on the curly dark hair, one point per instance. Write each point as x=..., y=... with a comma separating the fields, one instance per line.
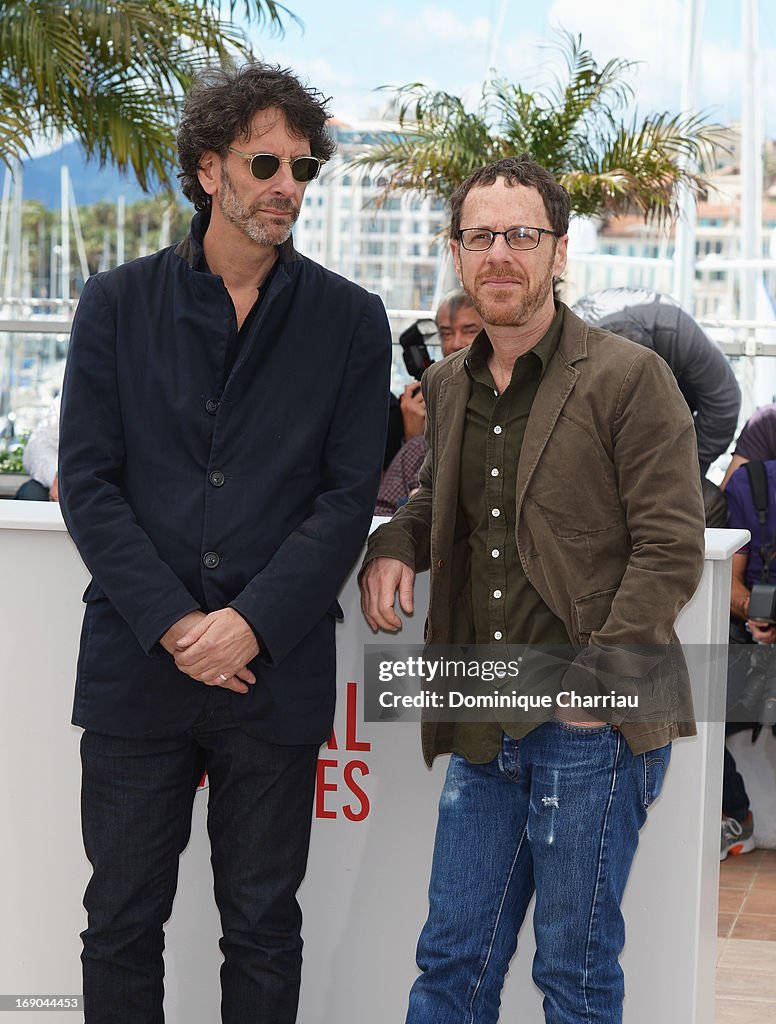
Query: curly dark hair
x=221, y=105
x=515, y=170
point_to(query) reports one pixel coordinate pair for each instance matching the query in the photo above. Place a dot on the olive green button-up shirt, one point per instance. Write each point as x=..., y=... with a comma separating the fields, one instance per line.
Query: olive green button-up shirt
x=506, y=607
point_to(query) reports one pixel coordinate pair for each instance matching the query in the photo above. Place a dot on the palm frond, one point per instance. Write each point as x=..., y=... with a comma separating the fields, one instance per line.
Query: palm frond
x=266, y=12
x=573, y=126
x=14, y=126
x=104, y=71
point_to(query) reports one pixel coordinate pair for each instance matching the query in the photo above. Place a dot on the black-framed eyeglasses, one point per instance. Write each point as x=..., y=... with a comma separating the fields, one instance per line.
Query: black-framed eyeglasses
x=519, y=237
x=266, y=165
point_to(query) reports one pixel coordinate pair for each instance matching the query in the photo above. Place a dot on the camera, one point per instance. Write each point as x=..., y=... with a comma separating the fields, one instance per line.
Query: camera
x=762, y=602
x=413, y=343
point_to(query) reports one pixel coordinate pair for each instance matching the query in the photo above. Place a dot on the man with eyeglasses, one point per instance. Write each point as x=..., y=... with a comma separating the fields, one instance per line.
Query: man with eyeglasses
x=559, y=506
x=458, y=324
x=223, y=423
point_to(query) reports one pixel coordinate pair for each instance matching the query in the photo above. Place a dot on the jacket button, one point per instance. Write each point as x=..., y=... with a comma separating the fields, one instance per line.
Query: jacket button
x=210, y=560
x=441, y=563
x=217, y=478
x=211, y=406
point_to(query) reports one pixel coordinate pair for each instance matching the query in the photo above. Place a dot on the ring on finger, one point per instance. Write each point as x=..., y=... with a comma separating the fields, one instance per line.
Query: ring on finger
x=222, y=677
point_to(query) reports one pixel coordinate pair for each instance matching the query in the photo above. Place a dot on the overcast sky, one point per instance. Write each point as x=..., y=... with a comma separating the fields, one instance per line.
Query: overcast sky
x=350, y=47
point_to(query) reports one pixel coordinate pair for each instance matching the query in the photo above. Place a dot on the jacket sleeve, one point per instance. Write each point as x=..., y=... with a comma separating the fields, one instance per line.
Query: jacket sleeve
x=703, y=369
x=408, y=535
x=659, y=488
x=118, y=553
x=299, y=584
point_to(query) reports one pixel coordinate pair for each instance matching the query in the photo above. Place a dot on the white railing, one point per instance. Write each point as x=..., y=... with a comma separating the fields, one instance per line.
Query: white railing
x=719, y=286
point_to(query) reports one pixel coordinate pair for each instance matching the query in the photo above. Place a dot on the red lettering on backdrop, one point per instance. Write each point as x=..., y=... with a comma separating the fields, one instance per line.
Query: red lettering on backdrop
x=352, y=770
x=322, y=788
x=351, y=721
x=351, y=714
x=350, y=813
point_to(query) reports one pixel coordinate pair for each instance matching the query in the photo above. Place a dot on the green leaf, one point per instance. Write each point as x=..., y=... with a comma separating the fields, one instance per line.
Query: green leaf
x=573, y=126
x=111, y=73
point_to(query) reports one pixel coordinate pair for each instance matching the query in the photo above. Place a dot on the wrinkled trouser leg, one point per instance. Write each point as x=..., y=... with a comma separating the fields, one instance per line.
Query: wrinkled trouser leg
x=136, y=801
x=136, y=811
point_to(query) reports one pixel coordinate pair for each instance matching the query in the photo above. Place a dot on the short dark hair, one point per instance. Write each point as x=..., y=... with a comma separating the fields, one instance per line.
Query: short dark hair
x=221, y=105
x=453, y=301
x=516, y=170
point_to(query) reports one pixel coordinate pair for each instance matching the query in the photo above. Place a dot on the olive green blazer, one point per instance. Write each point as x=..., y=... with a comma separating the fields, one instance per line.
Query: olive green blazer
x=610, y=523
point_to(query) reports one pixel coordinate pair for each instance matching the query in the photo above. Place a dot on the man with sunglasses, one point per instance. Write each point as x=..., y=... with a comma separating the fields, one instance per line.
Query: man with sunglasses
x=223, y=422
x=559, y=506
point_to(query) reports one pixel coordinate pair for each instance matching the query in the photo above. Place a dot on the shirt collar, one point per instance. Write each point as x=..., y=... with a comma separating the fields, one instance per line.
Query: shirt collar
x=191, y=251
x=476, y=362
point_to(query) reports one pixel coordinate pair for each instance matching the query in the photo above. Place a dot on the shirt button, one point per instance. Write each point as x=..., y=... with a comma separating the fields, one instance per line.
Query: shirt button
x=217, y=478
x=497, y=430
x=495, y=513
x=210, y=560
x=494, y=472
x=211, y=406
x=497, y=593
x=495, y=553
x=497, y=635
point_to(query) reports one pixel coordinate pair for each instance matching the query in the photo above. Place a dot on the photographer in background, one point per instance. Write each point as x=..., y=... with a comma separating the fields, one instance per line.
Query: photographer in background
x=757, y=440
x=458, y=324
x=40, y=459
x=751, y=498
x=703, y=373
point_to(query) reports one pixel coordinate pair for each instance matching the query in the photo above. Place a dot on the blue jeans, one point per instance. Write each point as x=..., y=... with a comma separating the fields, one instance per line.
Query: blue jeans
x=558, y=813
x=136, y=813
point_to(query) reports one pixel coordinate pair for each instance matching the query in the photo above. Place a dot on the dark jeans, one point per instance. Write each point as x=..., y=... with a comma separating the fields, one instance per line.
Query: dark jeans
x=31, y=490
x=735, y=801
x=137, y=799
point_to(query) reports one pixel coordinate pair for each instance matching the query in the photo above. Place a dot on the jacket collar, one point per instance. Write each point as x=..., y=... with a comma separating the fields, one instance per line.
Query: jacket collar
x=573, y=339
x=572, y=345
x=554, y=389
x=191, y=252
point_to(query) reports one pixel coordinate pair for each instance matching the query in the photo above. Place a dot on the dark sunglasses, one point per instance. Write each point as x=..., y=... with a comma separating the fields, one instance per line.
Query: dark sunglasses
x=266, y=165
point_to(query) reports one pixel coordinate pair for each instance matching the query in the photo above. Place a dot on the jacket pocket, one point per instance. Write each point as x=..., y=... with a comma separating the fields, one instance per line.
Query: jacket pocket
x=655, y=767
x=592, y=611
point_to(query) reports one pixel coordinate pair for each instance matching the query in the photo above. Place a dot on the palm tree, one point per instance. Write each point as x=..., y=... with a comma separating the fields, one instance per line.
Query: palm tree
x=111, y=73
x=570, y=127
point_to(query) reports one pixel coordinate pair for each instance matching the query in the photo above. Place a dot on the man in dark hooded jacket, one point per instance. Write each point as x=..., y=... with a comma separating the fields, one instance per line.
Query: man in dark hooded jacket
x=704, y=375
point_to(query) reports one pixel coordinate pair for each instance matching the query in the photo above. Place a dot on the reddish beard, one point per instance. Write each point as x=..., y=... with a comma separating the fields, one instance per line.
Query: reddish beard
x=515, y=310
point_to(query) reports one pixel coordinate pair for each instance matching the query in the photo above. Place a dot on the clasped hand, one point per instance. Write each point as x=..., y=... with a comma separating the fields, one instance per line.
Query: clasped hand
x=214, y=649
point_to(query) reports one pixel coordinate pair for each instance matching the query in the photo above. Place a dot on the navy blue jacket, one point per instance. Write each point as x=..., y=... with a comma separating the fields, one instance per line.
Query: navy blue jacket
x=183, y=490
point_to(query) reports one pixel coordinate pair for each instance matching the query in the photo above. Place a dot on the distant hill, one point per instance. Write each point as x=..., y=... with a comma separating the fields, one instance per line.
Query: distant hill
x=91, y=183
